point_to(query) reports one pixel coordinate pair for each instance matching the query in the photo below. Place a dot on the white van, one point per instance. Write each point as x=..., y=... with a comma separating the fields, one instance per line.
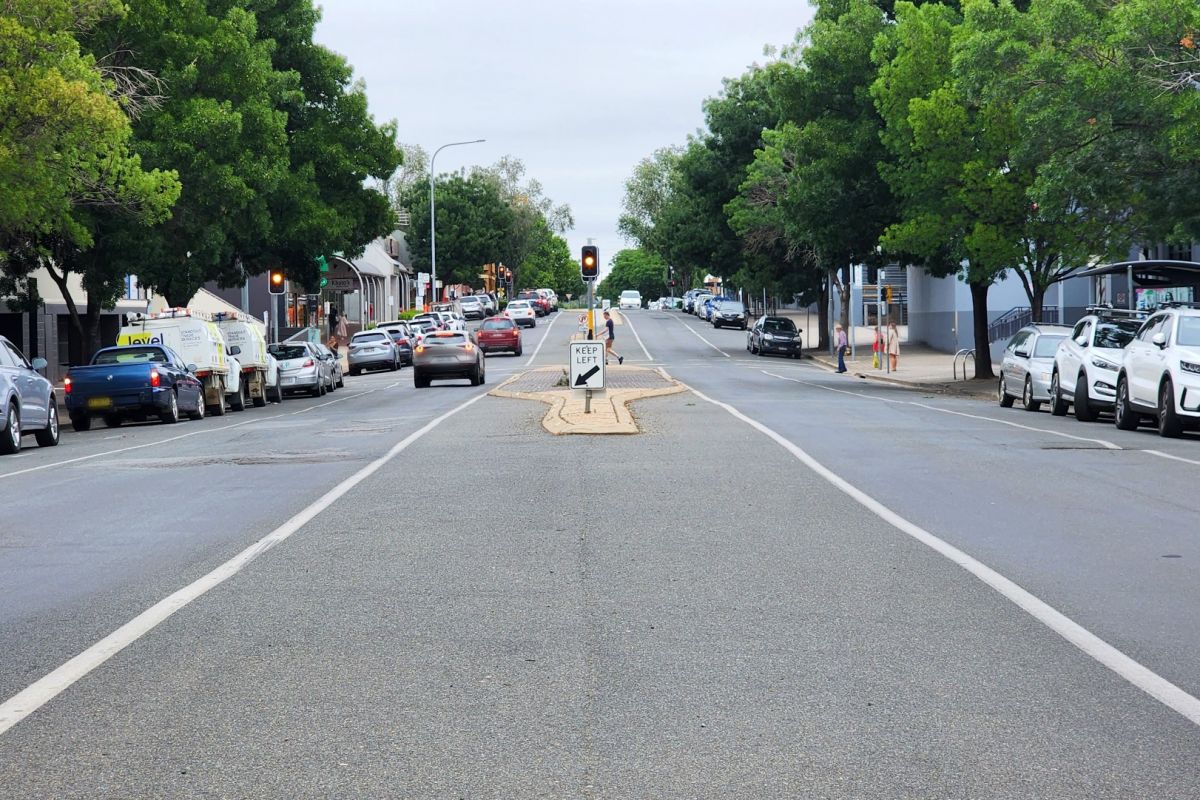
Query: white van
x=198, y=340
x=260, y=373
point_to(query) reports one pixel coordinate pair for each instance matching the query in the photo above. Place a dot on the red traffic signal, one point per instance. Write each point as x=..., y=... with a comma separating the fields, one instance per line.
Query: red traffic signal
x=589, y=264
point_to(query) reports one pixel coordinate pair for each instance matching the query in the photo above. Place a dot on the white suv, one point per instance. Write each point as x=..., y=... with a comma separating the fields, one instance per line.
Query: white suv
x=1161, y=374
x=1087, y=362
x=631, y=298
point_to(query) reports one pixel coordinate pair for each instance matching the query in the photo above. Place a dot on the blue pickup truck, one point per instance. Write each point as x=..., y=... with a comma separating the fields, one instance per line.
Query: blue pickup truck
x=134, y=382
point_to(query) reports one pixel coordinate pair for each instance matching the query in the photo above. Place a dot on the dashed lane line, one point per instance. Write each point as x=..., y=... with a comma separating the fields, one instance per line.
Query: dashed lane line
x=697, y=334
x=42, y=691
x=1127, y=668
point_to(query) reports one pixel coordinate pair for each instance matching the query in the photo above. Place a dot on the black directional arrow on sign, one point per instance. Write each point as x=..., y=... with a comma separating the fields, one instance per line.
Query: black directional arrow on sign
x=581, y=380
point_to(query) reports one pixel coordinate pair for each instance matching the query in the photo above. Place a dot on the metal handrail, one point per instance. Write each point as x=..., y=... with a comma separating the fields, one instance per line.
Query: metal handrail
x=964, y=355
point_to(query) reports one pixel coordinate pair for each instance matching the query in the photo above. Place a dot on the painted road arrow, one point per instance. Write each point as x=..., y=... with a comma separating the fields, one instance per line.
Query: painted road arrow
x=582, y=380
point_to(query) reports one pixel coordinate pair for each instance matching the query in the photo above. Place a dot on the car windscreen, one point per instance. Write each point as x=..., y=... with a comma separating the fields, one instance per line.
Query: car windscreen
x=1189, y=332
x=631, y=293
x=1046, y=346
x=733, y=306
x=359, y=338
x=497, y=325
x=779, y=326
x=285, y=351
x=456, y=338
x=1115, y=334
x=517, y=305
x=131, y=355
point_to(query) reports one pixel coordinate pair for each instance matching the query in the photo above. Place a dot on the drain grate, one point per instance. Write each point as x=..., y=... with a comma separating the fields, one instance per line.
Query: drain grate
x=1080, y=446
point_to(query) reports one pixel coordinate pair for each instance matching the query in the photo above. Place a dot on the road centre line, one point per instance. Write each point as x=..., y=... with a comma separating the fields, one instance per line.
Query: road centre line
x=635, y=335
x=696, y=333
x=45, y=689
x=545, y=336
x=1132, y=671
x=1102, y=442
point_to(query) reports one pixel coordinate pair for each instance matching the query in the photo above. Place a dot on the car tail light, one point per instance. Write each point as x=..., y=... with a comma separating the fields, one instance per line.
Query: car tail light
x=66, y=385
x=420, y=348
x=308, y=363
x=155, y=380
x=468, y=347
x=402, y=341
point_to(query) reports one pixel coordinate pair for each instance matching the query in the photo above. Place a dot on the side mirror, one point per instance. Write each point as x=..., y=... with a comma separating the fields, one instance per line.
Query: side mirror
x=1021, y=353
x=1159, y=339
x=1082, y=341
x=235, y=350
x=191, y=368
x=40, y=363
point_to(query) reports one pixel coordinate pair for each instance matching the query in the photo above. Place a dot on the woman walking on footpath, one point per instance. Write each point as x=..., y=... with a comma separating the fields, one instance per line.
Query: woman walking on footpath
x=842, y=343
x=893, y=344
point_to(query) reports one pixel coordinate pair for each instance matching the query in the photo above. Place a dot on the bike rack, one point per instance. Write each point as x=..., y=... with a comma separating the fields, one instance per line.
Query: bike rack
x=964, y=355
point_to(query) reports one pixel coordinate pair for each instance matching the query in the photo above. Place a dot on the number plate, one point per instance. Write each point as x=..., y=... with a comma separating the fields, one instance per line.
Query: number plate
x=99, y=402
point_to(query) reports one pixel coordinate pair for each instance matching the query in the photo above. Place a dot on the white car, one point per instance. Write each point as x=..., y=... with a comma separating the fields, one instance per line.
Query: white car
x=1161, y=373
x=522, y=313
x=452, y=321
x=630, y=298
x=1087, y=362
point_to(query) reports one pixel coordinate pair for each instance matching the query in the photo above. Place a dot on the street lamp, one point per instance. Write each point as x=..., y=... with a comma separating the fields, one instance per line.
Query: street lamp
x=433, y=215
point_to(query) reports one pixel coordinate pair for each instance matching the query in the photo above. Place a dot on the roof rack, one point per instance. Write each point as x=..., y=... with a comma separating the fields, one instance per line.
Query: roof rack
x=1109, y=311
x=1179, y=304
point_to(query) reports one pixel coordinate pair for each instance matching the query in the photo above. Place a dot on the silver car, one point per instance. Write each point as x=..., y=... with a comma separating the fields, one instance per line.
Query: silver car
x=1028, y=365
x=302, y=368
x=447, y=354
x=26, y=400
x=373, y=350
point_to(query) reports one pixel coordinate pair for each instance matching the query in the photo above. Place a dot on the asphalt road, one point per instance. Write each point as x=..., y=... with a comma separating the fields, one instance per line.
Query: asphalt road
x=488, y=611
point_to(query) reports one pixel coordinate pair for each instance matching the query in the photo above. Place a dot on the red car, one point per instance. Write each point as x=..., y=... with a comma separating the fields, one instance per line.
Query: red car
x=540, y=304
x=499, y=333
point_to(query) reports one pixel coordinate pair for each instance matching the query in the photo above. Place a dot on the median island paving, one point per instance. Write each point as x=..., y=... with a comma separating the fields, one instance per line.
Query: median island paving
x=609, y=412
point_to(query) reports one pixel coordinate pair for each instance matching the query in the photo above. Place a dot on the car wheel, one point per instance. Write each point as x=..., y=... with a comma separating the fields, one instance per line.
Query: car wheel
x=217, y=409
x=171, y=415
x=1027, y=401
x=1124, y=416
x=518, y=351
x=1170, y=425
x=341, y=381
x=1006, y=399
x=261, y=400
x=482, y=374
x=419, y=380
x=113, y=421
x=81, y=422
x=48, y=436
x=238, y=401
x=278, y=389
x=716, y=324
x=1058, y=406
x=319, y=391
x=10, y=437
x=395, y=365
x=198, y=414
x=477, y=376
x=1083, y=404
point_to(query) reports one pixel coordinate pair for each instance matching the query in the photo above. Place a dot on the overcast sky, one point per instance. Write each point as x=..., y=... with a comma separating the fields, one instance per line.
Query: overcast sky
x=580, y=90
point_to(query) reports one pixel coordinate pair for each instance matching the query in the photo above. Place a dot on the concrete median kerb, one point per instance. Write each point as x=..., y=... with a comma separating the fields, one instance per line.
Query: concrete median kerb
x=610, y=408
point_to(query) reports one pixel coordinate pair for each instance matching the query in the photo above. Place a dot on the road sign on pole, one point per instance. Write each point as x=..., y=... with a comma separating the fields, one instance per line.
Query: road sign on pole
x=587, y=365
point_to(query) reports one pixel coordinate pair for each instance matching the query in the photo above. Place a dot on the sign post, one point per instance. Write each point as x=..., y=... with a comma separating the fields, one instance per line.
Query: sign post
x=587, y=369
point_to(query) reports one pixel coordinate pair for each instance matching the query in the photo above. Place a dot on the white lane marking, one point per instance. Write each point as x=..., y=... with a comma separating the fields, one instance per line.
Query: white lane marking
x=1135, y=673
x=696, y=333
x=157, y=442
x=1102, y=442
x=1161, y=454
x=635, y=335
x=545, y=336
x=45, y=689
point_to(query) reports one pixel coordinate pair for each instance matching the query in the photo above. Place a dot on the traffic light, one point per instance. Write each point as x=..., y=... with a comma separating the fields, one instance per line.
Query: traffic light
x=323, y=267
x=888, y=293
x=589, y=265
x=276, y=281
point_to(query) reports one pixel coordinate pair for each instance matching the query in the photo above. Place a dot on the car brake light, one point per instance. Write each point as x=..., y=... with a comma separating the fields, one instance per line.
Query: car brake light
x=309, y=363
x=155, y=380
x=66, y=385
x=420, y=348
x=468, y=347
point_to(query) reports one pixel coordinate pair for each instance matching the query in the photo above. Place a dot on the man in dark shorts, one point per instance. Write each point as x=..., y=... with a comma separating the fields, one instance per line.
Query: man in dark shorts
x=608, y=341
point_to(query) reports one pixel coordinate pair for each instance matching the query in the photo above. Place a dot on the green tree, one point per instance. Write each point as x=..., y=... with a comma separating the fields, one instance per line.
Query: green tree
x=634, y=269
x=473, y=224
x=549, y=264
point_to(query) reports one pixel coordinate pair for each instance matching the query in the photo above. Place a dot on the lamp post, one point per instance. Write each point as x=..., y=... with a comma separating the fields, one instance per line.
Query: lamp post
x=433, y=215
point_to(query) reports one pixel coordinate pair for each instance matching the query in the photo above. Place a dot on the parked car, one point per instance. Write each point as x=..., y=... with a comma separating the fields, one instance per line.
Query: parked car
x=1161, y=373
x=698, y=302
x=420, y=328
x=452, y=321
x=402, y=336
x=522, y=313
x=133, y=382
x=430, y=319
x=27, y=400
x=774, y=335
x=197, y=338
x=302, y=368
x=373, y=350
x=471, y=308
x=336, y=375
x=499, y=334
x=538, y=303
x=1087, y=362
x=448, y=354
x=1028, y=362
x=551, y=297
x=488, y=301
x=729, y=313
x=689, y=300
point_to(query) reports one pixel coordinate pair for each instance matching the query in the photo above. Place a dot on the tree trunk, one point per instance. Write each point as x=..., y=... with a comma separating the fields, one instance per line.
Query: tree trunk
x=75, y=351
x=823, y=317
x=983, y=349
x=91, y=330
x=1037, y=300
